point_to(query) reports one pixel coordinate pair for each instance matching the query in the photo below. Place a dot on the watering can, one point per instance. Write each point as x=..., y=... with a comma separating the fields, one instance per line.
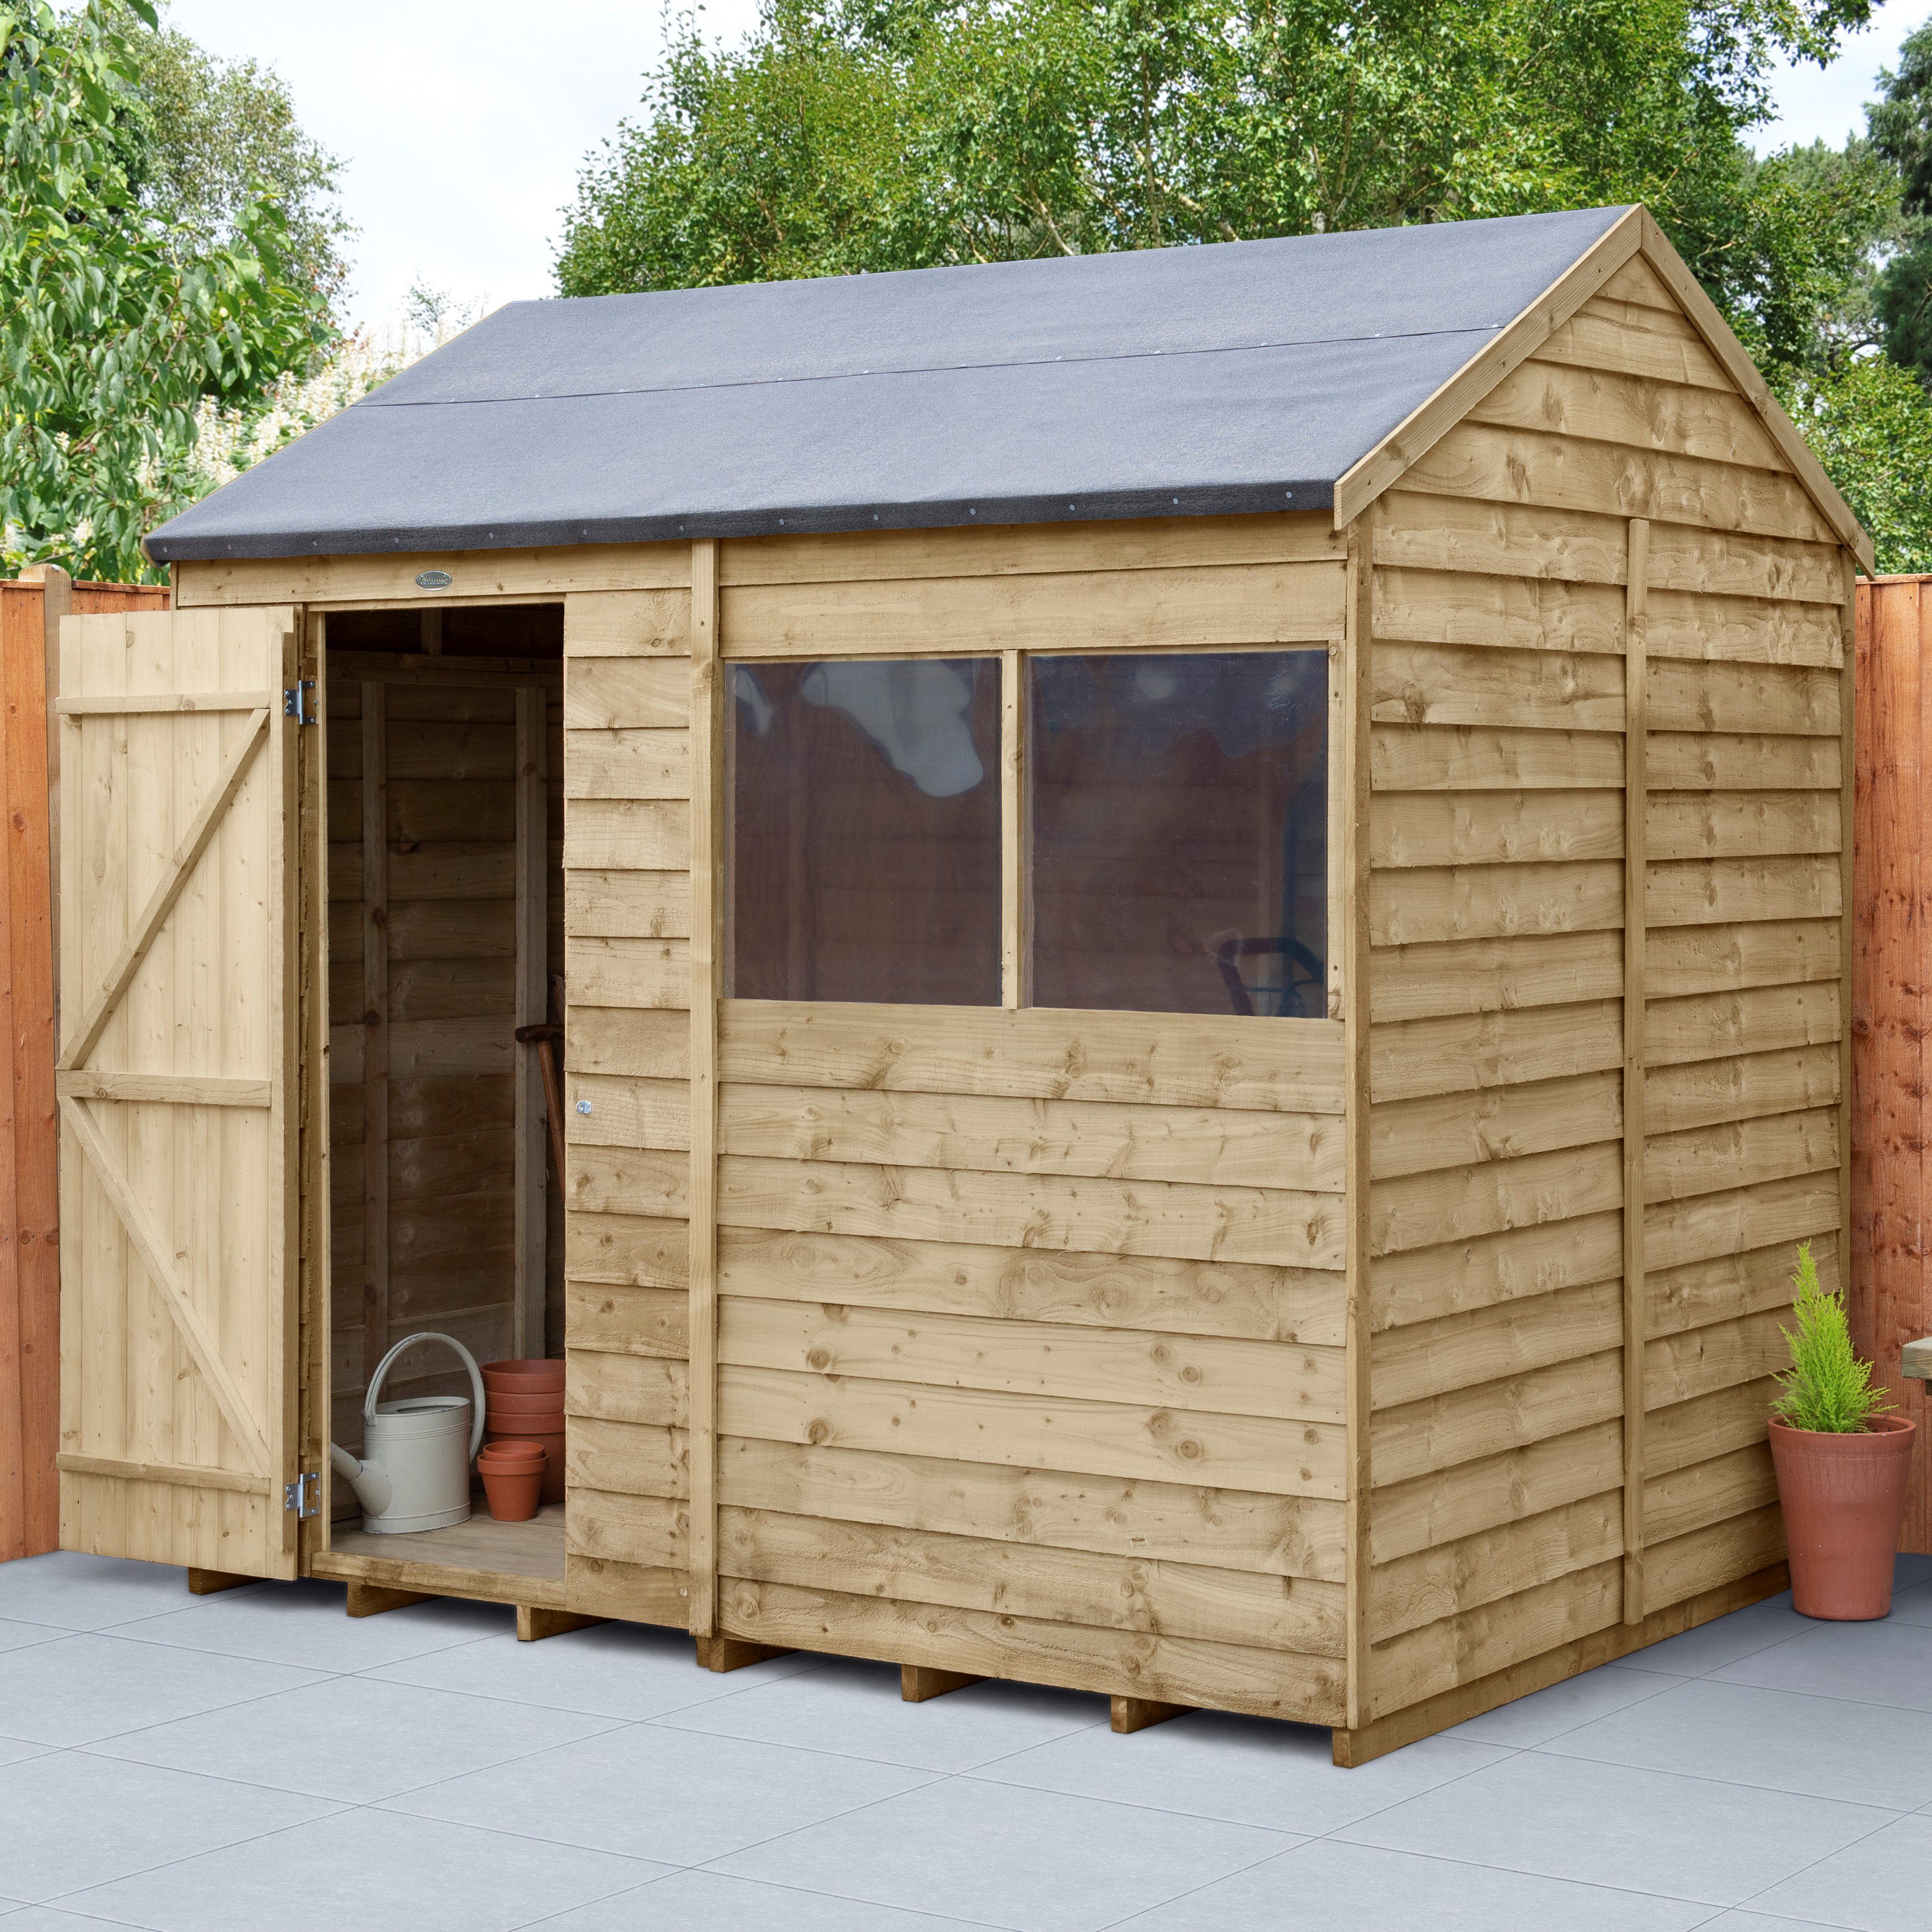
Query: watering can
x=417, y=1474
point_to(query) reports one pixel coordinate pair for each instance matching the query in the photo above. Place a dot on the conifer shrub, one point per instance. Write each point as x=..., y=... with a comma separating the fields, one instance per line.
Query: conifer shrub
x=1827, y=1388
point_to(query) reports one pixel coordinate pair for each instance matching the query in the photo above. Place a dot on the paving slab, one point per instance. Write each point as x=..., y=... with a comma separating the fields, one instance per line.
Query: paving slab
x=82, y=1689
x=68, y=1820
x=677, y=1797
x=1247, y=1771
x=1327, y=1884
x=856, y=1710
x=1610, y=1824
x=373, y=1871
x=1743, y=1633
x=1565, y=1707
x=1883, y=1883
x=1886, y=1664
x=1028, y=1860
x=611, y=1670
x=308, y=1624
x=86, y=1593
x=348, y=1739
x=1743, y=1734
x=704, y=1901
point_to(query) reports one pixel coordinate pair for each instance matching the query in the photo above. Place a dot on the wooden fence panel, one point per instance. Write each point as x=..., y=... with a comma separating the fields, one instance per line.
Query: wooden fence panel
x=1890, y=1291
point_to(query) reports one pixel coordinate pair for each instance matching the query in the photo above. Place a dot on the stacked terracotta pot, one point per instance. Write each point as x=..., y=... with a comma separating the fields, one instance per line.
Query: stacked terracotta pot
x=525, y=1404
x=513, y=1479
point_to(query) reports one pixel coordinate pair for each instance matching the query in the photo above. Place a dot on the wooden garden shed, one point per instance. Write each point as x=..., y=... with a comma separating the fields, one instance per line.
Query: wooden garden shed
x=1199, y=897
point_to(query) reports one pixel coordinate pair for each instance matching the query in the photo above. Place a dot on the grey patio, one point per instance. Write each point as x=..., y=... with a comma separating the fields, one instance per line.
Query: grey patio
x=256, y=1761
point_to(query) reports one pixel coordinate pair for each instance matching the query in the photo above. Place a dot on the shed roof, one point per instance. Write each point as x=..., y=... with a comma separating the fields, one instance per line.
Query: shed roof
x=1244, y=376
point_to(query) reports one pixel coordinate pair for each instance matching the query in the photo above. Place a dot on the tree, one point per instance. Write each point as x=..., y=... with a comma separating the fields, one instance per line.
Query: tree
x=1870, y=424
x=115, y=325
x=1900, y=122
x=866, y=134
x=205, y=135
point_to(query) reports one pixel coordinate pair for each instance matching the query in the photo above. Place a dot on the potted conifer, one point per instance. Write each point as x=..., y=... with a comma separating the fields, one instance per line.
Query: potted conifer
x=1842, y=1460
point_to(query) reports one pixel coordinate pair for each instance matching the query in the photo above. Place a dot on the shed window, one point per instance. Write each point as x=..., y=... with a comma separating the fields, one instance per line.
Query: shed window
x=1179, y=846
x=865, y=838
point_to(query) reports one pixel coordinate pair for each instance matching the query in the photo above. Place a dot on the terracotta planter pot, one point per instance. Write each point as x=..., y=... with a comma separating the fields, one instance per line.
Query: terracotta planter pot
x=514, y=1494
x=553, y=1443
x=531, y=1377
x=550, y=1402
x=1844, y=1500
x=521, y=1449
x=498, y=1426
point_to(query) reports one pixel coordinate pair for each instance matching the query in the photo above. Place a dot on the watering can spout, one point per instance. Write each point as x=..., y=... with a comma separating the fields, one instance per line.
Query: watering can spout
x=370, y=1480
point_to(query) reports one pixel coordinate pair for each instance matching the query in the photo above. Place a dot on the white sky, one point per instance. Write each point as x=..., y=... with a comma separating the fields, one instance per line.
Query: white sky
x=464, y=123
x=1828, y=104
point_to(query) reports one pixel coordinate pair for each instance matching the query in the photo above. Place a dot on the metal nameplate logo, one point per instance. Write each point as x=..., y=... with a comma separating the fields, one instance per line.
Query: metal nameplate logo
x=434, y=579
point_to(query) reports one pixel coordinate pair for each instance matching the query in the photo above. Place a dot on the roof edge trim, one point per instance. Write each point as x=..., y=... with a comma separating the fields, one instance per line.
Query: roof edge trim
x=1709, y=323
x=1379, y=468
x=1289, y=494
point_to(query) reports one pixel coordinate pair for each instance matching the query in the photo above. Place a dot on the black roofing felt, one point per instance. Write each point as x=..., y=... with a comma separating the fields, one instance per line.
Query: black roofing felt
x=1242, y=376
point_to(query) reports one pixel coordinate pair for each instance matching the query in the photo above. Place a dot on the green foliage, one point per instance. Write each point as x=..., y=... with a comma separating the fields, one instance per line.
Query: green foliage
x=1827, y=1388
x=114, y=327
x=850, y=135
x=1820, y=220
x=1869, y=422
x=205, y=136
x=1900, y=122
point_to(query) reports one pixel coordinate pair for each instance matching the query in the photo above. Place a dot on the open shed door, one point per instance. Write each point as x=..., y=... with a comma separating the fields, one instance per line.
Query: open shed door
x=177, y=1084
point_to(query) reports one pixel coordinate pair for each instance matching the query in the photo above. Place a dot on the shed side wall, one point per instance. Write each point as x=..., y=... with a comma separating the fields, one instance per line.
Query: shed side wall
x=627, y=890
x=1497, y=904
x=1031, y=1322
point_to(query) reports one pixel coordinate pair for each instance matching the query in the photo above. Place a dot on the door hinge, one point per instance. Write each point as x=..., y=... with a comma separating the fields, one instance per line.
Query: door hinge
x=303, y=1496
x=296, y=702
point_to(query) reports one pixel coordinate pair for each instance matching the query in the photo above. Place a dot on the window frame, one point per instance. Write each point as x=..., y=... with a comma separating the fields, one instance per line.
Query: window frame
x=1016, y=933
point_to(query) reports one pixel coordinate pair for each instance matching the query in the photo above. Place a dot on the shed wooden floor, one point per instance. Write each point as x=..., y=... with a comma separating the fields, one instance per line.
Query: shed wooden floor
x=495, y=1562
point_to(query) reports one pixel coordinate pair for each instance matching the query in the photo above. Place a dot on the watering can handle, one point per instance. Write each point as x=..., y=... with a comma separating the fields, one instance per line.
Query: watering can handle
x=469, y=1362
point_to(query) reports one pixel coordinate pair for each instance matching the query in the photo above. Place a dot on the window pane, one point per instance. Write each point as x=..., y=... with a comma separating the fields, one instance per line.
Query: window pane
x=865, y=831
x=1179, y=832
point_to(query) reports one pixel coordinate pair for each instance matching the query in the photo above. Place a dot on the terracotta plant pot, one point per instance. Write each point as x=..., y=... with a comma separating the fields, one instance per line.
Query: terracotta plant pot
x=550, y=1403
x=530, y=1377
x=521, y=1449
x=553, y=1443
x=515, y=1494
x=1844, y=1501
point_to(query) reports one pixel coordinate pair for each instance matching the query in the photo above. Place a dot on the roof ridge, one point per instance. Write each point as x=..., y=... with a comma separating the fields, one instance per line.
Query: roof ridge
x=374, y=399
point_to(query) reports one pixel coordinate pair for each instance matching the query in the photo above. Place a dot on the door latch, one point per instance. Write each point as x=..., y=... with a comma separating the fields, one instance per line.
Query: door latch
x=303, y=1496
x=296, y=704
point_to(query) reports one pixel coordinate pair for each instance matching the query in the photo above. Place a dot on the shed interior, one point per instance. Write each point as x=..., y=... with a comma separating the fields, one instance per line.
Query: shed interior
x=444, y=832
